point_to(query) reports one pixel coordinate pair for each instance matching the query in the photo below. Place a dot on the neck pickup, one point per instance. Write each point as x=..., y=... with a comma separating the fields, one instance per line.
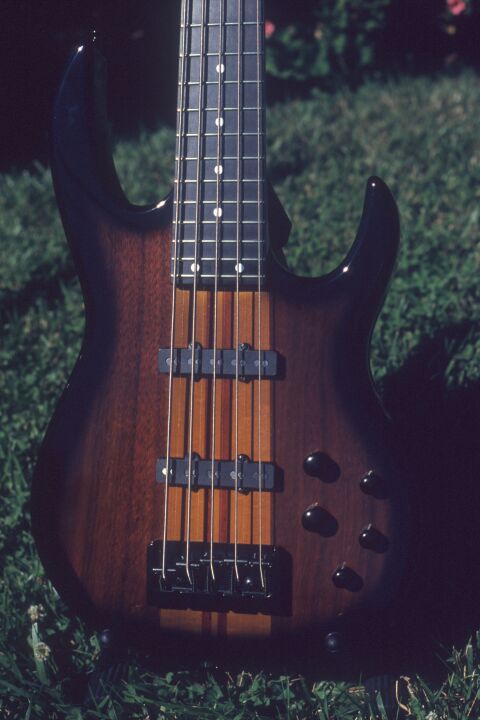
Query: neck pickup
x=224, y=472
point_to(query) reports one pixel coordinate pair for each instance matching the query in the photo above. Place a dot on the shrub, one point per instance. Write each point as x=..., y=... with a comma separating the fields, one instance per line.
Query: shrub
x=331, y=40
x=337, y=37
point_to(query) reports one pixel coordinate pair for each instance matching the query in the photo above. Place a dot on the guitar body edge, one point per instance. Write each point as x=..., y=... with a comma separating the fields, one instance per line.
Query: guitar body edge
x=95, y=503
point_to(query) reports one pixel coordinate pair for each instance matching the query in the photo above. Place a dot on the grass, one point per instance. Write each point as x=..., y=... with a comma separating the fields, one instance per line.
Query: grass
x=423, y=137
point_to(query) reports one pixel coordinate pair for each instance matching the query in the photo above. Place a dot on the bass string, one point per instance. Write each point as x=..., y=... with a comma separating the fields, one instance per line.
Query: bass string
x=195, y=269
x=237, y=275
x=260, y=211
x=220, y=70
x=176, y=243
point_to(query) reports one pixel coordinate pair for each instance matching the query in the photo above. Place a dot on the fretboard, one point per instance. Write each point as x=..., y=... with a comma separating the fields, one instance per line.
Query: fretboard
x=219, y=222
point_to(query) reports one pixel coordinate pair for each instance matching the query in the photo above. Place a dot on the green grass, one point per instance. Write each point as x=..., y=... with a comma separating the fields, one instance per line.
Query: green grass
x=423, y=137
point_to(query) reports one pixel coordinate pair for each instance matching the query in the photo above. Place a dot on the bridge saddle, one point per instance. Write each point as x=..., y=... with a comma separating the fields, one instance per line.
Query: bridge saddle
x=220, y=591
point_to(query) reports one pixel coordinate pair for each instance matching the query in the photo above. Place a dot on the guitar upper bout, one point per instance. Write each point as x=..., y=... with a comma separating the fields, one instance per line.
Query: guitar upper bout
x=82, y=162
x=372, y=255
x=367, y=266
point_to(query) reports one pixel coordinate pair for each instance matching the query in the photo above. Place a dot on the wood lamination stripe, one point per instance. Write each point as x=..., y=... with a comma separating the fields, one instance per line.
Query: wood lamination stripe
x=248, y=505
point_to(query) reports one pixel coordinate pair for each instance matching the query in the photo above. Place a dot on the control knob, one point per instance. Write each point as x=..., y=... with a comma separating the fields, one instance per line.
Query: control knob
x=372, y=539
x=317, y=519
x=347, y=579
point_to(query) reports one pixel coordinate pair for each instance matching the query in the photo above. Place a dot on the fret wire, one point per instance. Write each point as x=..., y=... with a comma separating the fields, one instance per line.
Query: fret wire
x=225, y=180
x=224, y=222
x=224, y=277
x=209, y=109
x=227, y=54
x=226, y=82
x=215, y=24
x=211, y=158
x=185, y=258
x=224, y=242
x=225, y=134
x=224, y=202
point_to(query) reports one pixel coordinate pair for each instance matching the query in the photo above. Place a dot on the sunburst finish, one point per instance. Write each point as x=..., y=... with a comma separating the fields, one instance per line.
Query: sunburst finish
x=96, y=503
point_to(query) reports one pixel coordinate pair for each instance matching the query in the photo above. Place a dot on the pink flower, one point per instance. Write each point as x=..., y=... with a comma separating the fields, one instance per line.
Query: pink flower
x=456, y=7
x=269, y=28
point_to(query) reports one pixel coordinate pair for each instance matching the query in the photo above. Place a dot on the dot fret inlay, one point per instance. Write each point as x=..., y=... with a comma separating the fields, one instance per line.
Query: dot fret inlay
x=220, y=215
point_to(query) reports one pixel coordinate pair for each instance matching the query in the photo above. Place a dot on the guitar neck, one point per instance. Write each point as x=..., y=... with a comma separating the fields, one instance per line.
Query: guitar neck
x=219, y=224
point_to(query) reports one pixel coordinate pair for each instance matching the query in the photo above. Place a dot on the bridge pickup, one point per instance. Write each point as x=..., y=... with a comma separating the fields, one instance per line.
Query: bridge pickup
x=251, y=363
x=224, y=470
x=220, y=590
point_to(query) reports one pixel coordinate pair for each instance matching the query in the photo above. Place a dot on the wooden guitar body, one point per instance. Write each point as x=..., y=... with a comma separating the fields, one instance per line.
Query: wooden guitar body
x=96, y=503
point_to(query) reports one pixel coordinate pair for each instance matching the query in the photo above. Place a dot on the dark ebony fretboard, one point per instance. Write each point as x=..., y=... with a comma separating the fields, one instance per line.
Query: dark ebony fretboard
x=219, y=211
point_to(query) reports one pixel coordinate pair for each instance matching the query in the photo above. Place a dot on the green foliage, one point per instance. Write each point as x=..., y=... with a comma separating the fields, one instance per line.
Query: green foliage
x=337, y=39
x=422, y=137
x=423, y=141
x=325, y=42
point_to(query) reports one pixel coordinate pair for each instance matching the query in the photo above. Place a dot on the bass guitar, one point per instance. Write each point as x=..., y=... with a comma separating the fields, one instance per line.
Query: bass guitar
x=219, y=471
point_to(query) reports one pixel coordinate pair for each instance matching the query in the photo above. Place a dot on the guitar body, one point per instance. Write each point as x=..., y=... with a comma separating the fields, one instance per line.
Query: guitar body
x=96, y=504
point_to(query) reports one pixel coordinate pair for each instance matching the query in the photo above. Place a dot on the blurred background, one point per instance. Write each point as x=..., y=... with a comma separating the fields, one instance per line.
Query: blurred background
x=310, y=43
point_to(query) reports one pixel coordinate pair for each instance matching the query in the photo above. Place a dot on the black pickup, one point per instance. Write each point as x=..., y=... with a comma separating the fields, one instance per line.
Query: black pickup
x=222, y=590
x=251, y=363
x=224, y=471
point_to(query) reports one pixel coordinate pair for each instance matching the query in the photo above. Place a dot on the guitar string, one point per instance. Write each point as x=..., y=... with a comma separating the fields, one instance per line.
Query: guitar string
x=259, y=291
x=237, y=281
x=195, y=269
x=176, y=230
x=220, y=70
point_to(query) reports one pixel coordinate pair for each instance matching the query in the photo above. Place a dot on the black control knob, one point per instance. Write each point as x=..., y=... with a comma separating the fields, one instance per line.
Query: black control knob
x=372, y=539
x=347, y=579
x=317, y=519
x=340, y=576
x=373, y=484
x=333, y=642
x=320, y=465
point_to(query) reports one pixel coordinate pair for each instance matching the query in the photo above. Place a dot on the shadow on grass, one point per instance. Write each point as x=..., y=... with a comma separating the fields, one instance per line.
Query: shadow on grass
x=439, y=433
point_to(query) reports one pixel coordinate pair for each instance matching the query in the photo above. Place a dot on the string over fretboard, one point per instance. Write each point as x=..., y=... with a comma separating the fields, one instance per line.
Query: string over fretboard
x=219, y=201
